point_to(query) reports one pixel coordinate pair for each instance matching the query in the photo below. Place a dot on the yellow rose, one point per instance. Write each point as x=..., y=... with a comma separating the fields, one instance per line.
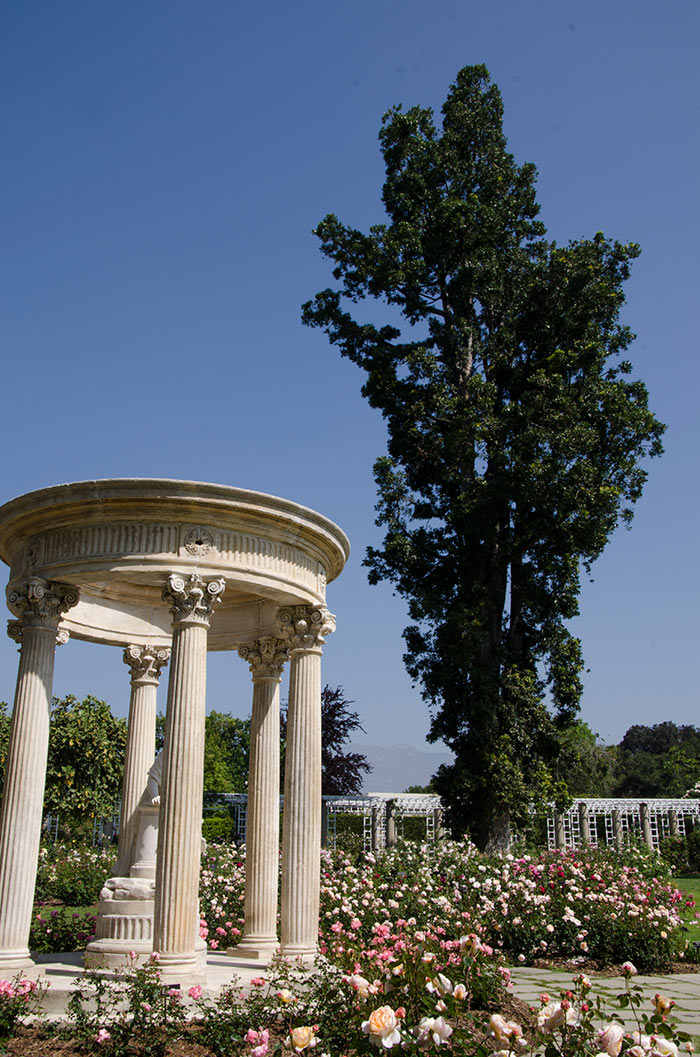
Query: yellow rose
x=302, y=1038
x=663, y=1004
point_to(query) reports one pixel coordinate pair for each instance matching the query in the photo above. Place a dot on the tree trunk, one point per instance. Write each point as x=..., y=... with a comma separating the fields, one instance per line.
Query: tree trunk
x=498, y=833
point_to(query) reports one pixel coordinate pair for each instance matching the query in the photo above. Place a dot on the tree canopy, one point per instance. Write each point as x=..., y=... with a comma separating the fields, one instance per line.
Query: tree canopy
x=515, y=436
x=85, y=762
x=660, y=760
x=341, y=771
x=226, y=753
x=589, y=767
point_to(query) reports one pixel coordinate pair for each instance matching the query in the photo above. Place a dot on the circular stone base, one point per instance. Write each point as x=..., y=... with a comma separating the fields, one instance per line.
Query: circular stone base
x=14, y=962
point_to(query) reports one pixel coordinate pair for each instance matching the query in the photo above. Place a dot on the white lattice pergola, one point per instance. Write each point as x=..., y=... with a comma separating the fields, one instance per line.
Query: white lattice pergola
x=382, y=815
x=614, y=821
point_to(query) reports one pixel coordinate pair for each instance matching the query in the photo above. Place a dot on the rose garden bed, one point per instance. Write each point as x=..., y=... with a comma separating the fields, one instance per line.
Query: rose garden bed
x=416, y=945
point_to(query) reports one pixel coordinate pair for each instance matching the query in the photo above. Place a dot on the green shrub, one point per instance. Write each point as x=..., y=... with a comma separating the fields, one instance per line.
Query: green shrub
x=674, y=852
x=413, y=827
x=61, y=930
x=351, y=843
x=692, y=846
x=218, y=830
x=130, y=1013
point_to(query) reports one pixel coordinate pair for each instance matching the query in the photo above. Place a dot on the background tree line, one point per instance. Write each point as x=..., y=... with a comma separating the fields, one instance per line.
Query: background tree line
x=87, y=745
x=86, y=756
x=662, y=760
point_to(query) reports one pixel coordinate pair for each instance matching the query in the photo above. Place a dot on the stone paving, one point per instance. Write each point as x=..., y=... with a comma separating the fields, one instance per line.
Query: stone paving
x=683, y=988
x=60, y=971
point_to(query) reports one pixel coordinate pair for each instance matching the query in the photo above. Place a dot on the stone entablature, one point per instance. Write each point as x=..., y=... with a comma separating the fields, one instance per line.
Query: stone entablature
x=118, y=540
x=238, y=551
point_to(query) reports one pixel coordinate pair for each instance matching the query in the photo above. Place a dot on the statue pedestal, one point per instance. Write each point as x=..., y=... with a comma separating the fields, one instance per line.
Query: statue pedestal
x=125, y=913
x=124, y=924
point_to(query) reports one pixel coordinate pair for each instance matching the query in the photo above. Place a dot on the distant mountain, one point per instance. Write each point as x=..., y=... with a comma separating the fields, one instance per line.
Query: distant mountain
x=395, y=767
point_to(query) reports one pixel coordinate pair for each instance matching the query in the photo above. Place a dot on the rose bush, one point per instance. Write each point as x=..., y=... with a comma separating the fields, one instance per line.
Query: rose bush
x=596, y=905
x=72, y=873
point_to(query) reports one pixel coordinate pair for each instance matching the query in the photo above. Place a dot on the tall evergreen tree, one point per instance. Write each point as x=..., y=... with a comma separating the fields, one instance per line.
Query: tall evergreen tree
x=515, y=436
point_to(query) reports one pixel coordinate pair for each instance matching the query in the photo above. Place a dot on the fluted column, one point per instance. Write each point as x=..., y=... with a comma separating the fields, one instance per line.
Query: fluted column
x=145, y=663
x=176, y=918
x=304, y=629
x=39, y=604
x=266, y=657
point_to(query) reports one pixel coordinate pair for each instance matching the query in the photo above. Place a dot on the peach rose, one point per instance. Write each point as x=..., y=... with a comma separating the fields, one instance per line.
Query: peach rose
x=554, y=1015
x=503, y=1029
x=381, y=1027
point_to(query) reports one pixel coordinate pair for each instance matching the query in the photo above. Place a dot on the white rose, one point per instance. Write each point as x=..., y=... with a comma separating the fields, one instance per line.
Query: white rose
x=610, y=1039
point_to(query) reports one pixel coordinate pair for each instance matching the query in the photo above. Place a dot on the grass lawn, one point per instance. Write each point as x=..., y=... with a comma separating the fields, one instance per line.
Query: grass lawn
x=689, y=884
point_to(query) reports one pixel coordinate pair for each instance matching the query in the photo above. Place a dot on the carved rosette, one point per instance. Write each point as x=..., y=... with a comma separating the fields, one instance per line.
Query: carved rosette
x=145, y=662
x=198, y=541
x=39, y=603
x=305, y=627
x=266, y=656
x=192, y=601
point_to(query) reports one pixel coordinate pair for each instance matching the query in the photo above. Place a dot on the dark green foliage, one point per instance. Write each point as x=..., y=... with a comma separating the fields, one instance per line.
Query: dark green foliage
x=349, y=834
x=662, y=760
x=226, y=753
x=341, y=772
x=515, y=437
x=692, y=846
x=143, y=1017
x=61, y=929
x=589, y=767
x=674, y=852
x=85, y=764
x=218, y=830
x=72, y=874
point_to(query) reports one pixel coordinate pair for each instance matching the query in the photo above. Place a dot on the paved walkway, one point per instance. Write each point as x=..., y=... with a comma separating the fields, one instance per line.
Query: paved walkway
x=683, y=988
x=60, y=971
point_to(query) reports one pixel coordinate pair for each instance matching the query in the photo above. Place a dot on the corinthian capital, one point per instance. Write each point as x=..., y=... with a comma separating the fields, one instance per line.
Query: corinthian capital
x=304, y=627
x=145, y=662
x=41, y=603
x=192, y=600
x=266, y=657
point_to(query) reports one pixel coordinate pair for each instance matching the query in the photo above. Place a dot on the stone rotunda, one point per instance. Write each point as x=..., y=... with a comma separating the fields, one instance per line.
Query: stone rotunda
x=167, y=570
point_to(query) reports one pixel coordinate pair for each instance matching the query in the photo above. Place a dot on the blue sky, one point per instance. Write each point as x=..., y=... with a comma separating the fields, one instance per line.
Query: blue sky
x=164, y=166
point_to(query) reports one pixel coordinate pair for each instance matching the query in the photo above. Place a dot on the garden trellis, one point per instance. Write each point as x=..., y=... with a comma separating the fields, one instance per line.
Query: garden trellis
x=613, y=822
x=382, y=814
